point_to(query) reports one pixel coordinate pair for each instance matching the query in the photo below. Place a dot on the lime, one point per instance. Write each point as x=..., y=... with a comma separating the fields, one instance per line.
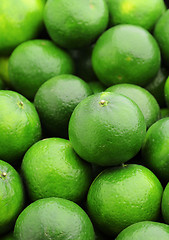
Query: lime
x=155, y=150
x=53, y=218
x=34, y=62
x=145, y=231
x=161, y=33
x=75, y=23
x=107, y=129
x=56, y=100
x=8, y=237
x=51, y=168
x=145, y=101
x=166, y=91
x=156, y=87
x=121, y=196
x=19, y=22
x=19, y=126
x=164, y=112
x=96, y=87
x=165, y=204
x=4, y=70
x=11, y=196
x=135, y=60
x=141, y=13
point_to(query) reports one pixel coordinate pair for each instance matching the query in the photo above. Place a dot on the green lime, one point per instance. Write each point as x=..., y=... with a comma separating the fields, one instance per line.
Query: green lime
x=8, y=237
x=56, y=100
x=34, y=62
x=145, y=231
x=4, y=75
x=165, y=204
x=164, y=112
x=97, y=87
x=51, y=168
x=161, y=33
x=135, y=60
x=121, y=196
x=19, y=126
x=155, y=150
x=83, y=63
x=107, y=129
x=145, y=101
x=75, y=23
x=19, y=22
x=53, y=218
x=166, y=91
x=156, y=87
x=11, y=196
x=141, y=13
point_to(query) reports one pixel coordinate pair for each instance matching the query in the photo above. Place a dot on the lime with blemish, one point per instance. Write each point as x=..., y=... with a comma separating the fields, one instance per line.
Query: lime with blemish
x=135, y=60
x=19, y=126
x=11, y=197
x=107, y=129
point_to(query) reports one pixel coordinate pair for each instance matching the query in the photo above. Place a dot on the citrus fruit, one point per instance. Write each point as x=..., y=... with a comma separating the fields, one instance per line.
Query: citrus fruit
x=145, y=101
x=145, y=231
x=121, y=196
x=4, y=70
x=56, y=100
x=135, y=60
x=166, y=91
x=107, y=129
x=96, y=87
x=164, y=112
x=19, y=126
x=11, y=196
x=19, y=22
x=83, y=63
x=141, y=13
x=8, y=237
x=51, y=168
x=155, y=151
x=161, y=33
x=34, y=62
x=165, y=204
x=75, y=23
x=156, y=87
x=53, y=218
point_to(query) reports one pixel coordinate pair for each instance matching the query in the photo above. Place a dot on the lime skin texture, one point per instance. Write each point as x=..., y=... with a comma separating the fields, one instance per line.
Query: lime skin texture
x=74, y=24
x=155, y=150
x=19, y=126
x=53, y=218
x=165, y=204
x=19, y=22
x=56, y=100
x=34, y=62
x=11, y=197
x=146, y=230
x=68, y=176
x=135, y=60
x=161, y=34
x=145, y=101
x=122, y=196
x=141, y=13
x=107, y=129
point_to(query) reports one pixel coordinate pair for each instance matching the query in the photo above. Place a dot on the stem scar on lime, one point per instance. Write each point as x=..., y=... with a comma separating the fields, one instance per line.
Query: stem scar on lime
x=103, y=103
x=20, y=104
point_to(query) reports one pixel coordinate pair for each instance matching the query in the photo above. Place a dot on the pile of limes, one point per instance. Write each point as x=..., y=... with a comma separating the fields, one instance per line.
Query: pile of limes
x=84, y=120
